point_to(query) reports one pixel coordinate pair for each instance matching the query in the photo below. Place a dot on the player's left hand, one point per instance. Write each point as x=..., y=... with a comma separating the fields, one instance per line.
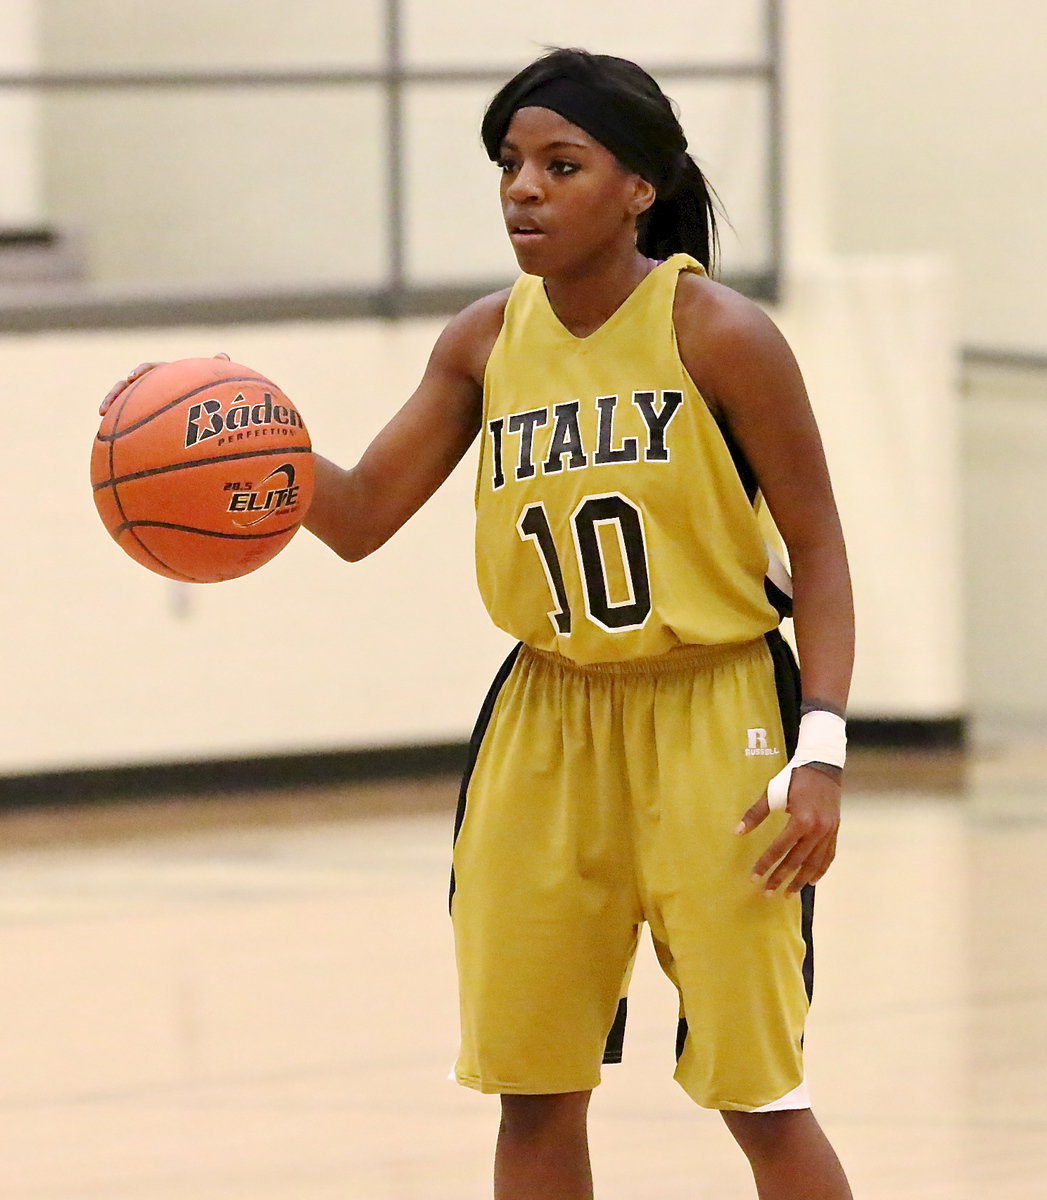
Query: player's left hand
x=806, y=847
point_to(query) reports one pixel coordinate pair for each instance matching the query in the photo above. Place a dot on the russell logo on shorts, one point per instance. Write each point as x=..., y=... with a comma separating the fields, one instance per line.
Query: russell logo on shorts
x=756, y=744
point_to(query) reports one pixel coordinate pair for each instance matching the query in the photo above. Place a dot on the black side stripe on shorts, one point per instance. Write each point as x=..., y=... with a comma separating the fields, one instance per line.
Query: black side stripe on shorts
x=615, y=1044
x=787, y=687
x=475, y=741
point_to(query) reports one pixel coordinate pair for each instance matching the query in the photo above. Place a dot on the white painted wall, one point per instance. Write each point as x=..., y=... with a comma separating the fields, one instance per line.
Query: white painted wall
x=918, y=128
x=217, y=188
x=908, y=129
x=1005, y=464
x=875, y=339
x=20, y=181
x=111, y=664
x=219, y=34
x=935, y=120
x=107, y=663
x=288, y=187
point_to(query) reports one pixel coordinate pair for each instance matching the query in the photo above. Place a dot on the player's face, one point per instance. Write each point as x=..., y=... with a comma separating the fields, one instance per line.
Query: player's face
x=568, y=203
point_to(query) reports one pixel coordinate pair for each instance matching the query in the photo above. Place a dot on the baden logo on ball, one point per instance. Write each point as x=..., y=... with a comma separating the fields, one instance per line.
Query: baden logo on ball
x=260, y=419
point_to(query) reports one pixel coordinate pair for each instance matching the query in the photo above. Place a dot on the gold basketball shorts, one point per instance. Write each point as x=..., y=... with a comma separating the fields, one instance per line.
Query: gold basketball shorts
x=600, y=798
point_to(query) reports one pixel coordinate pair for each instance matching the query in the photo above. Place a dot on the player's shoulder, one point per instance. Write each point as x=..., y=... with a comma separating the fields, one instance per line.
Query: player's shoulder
x=717, y=314
x=469, y=337
x=483, y=316
x=720, y=332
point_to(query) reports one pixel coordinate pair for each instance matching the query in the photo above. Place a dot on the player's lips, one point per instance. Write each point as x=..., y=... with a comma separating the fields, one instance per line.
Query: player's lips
x=524, y=230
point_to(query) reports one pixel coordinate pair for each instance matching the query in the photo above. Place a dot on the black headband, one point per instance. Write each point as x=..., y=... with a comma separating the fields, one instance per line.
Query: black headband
x=595, y=111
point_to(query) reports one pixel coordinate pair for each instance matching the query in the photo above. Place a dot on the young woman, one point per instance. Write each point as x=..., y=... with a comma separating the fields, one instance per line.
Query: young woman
x=632, y=413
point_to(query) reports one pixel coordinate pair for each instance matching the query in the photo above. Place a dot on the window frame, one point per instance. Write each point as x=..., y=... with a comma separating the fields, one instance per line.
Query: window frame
x=41, y=306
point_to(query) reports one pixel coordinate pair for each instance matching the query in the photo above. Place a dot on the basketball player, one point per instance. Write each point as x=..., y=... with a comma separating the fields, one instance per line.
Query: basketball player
x=633, y=414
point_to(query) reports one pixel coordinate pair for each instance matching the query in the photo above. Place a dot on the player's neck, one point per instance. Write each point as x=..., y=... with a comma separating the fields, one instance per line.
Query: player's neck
x=582, y=303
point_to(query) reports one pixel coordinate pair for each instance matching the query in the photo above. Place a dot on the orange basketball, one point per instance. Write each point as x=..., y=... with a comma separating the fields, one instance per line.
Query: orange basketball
x=202, y=470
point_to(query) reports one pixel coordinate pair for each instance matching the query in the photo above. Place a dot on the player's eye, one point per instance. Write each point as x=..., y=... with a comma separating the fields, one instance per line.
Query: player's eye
x=506, y=165
x=561, y=166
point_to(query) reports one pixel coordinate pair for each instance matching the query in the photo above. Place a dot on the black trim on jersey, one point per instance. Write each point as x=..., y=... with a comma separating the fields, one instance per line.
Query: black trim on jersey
x=612, y=1051
x=778, y=600
x=475, y=741
x=741, y=464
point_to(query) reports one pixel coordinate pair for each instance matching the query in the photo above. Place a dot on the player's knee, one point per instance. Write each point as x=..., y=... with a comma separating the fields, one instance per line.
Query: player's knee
x=767, y=1134
x=538, y=1116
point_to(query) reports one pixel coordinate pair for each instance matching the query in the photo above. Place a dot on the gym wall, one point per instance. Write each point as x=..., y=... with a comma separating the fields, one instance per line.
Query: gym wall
x=885, y=188
x=107, y=663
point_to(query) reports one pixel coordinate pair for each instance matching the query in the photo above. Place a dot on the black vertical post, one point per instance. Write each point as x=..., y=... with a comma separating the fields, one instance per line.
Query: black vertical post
x=395, y=149
x=775, y=147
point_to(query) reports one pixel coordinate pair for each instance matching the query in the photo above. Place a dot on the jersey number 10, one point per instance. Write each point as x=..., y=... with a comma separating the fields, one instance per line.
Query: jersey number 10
x=611, y=510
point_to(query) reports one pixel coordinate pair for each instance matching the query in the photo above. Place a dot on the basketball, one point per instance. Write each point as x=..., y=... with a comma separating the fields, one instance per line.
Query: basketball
x=202, y=470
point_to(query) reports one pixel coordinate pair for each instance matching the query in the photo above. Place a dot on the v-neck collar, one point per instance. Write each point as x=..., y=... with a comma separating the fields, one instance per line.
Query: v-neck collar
x=616, y=316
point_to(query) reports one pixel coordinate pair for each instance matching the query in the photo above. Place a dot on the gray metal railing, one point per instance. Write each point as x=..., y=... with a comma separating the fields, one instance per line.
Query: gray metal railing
x=53, y=305
x=84, y=305
x=1004, y=359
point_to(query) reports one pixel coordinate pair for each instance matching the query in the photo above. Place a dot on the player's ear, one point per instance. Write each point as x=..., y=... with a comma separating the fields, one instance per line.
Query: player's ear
x=642, y=195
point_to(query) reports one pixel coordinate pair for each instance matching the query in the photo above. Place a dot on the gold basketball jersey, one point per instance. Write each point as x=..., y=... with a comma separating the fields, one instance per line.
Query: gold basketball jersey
x=612, y=521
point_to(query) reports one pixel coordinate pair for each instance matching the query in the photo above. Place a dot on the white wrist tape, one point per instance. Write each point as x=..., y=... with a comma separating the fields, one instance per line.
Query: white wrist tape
x=823, y=739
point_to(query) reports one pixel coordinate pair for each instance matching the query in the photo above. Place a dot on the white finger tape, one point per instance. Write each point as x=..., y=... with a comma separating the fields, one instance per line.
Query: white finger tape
x=778, y=789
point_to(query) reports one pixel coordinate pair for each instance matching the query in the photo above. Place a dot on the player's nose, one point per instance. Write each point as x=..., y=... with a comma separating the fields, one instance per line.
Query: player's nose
x=525, y=185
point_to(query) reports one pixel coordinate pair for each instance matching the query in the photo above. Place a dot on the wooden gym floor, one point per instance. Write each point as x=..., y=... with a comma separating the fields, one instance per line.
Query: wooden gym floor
x=253, y=999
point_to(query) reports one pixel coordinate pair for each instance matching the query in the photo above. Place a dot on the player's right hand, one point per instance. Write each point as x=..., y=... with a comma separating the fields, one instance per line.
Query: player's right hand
x=127, y=380
x=137, y=373
x=806, y=847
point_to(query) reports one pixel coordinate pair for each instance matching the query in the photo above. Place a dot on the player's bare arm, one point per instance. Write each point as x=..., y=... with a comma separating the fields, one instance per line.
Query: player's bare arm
x=356, y=510
x=749, y=376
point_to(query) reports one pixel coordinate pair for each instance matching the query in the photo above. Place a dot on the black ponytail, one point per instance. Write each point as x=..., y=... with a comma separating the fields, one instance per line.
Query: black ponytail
x=682, y=219
x=624, y=109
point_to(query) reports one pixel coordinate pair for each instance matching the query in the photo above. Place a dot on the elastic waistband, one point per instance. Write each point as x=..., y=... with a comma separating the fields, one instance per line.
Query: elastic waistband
x=683, y=658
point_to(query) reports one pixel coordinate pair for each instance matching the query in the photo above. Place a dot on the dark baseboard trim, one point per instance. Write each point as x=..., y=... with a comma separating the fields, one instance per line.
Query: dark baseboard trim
x=907, y=733
x=227, y=775
x=323, y=768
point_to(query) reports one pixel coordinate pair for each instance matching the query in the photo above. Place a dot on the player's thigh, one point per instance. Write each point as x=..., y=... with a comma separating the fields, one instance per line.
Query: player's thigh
x=737, y=956
x=545, y=910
